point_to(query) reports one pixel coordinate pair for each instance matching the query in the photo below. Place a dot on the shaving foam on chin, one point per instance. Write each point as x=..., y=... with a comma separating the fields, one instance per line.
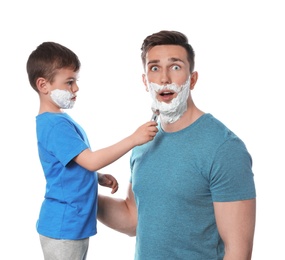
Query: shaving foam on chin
x=170, y=112
x=62, y=98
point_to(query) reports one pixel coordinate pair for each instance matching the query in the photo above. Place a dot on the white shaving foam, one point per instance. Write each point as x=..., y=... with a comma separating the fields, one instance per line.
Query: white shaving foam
x=170, y=112
x=62, y=98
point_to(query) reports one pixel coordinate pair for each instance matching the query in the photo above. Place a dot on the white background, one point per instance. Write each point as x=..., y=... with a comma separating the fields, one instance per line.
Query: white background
x=240, y=60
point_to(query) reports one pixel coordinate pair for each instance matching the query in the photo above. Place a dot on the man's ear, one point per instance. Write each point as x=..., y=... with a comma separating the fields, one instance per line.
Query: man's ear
x=42, y=85
x=145, y=82
x=194, y=78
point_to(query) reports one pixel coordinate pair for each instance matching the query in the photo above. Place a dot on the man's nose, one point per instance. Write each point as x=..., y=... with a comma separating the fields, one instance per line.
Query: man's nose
x=165, y=78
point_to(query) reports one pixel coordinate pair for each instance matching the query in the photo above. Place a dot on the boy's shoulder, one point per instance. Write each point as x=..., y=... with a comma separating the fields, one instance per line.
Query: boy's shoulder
x=52, y=119
x=53, y=116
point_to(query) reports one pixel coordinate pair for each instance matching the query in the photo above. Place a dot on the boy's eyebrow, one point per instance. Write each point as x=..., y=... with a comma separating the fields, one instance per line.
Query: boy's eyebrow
x=71, y=78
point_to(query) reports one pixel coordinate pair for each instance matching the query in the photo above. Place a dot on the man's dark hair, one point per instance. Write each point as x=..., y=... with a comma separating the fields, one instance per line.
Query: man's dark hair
x=168, y=38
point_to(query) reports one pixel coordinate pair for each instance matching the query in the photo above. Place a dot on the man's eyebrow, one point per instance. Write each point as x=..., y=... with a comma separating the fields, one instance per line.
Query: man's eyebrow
x=173, y=59
x=152, y=61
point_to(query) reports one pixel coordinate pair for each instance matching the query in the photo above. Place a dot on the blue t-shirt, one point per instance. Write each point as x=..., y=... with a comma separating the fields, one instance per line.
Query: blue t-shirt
x=176, y=178
x=70, y=204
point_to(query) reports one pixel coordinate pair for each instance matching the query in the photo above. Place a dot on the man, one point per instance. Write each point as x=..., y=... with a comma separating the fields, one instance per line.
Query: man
x=192, y=192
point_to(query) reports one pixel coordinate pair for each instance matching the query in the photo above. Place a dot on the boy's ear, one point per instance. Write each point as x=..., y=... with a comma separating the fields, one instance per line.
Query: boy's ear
x=42, y=85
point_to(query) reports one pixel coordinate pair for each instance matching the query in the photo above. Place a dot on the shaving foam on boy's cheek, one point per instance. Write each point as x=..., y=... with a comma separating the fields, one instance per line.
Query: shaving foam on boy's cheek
x=170, y=112
x=62, y=98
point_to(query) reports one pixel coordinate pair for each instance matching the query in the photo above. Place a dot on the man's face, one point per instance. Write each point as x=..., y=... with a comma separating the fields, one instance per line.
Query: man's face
x=167, y=79
x=165, y=65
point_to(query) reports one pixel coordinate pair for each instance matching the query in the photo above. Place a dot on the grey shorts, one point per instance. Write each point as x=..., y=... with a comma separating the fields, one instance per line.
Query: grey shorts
x=61, y=249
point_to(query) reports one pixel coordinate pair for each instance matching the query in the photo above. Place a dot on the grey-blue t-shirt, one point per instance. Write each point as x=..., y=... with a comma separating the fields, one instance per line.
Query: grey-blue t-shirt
x=176, y=178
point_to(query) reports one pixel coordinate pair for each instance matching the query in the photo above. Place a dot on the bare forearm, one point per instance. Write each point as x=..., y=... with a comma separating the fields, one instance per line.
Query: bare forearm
x=116, y=214
x=94, y=161
x=110, y=154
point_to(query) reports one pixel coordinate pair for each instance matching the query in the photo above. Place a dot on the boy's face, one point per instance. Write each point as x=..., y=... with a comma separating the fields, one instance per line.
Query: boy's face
x=63, y=88
x=65, y=79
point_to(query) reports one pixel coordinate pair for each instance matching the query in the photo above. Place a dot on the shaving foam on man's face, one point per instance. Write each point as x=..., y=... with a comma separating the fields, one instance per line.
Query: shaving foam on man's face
x=172, y=111
x=63, y=98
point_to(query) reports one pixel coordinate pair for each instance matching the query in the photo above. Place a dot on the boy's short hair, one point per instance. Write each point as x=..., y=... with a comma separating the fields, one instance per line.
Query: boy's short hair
x=46, y=59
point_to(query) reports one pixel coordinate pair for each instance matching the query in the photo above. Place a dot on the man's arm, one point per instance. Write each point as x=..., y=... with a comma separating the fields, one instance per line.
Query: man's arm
x=118, y=214
x=236, y=224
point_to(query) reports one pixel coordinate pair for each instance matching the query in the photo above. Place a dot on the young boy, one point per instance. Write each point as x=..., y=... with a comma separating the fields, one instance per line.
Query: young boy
x=68, y=213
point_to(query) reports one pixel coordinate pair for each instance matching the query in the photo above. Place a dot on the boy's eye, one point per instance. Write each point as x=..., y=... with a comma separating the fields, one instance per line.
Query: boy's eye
x=70, y=82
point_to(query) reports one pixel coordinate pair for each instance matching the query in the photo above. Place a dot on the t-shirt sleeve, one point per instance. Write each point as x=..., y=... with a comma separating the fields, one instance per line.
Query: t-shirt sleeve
x=231, y=176
x=66, y=142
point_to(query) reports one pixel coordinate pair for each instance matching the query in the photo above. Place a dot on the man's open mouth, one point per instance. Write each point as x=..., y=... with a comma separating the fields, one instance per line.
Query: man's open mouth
x=166, y=93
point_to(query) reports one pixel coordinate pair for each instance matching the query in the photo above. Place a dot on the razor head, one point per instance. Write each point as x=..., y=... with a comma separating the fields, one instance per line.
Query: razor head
x=155, y=115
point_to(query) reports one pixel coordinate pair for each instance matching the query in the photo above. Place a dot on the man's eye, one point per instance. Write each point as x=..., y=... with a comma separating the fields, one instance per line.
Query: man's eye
x=154, y=68
x=176, y=67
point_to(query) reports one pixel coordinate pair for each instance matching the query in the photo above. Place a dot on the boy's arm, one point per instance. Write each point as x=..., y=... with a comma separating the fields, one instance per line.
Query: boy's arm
x=118, y=214
x=236, y=223
x=95, y=160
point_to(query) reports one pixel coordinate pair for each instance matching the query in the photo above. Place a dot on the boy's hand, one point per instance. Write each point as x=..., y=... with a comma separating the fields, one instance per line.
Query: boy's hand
x=145, y=133
x=108, y=180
